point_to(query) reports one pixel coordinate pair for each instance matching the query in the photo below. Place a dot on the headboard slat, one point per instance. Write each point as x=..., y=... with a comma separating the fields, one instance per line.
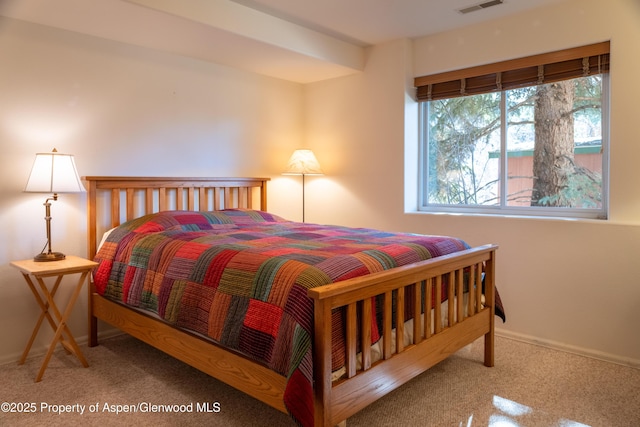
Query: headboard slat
x=245, y=199
x=216, y=199
x=203, y=197
x=180, y=199
x=130, y=213
x=192, y=202
x=227, y=196
x=148, y=200
x=115, y=207
x=162, y=198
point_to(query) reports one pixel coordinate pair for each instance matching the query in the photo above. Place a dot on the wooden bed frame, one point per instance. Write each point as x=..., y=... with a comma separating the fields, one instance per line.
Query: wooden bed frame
x=112, y=200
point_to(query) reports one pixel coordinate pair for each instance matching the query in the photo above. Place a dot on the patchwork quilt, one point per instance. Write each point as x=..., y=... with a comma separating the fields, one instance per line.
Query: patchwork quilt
x=240, y=277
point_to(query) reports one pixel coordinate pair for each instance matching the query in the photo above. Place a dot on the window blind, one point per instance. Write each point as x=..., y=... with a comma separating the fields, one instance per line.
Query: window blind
x=529, y=71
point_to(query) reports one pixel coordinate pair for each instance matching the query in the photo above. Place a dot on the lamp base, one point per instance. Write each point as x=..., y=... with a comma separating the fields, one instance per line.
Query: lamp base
x=51, y=256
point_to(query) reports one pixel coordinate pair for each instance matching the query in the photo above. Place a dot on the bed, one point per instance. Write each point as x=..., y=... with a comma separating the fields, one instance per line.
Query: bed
x=355, y=353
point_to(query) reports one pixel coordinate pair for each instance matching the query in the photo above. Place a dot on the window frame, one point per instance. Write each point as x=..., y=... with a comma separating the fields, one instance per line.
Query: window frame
x=424, y=95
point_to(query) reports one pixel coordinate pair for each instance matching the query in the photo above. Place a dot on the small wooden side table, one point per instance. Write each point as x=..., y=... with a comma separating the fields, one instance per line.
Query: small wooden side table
x=45, y=298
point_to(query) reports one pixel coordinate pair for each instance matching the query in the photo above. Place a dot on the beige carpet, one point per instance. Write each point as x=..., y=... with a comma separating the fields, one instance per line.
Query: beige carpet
x=529, y=386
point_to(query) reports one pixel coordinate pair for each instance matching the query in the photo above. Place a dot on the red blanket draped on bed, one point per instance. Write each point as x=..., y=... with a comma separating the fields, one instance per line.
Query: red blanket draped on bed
x=240, y=277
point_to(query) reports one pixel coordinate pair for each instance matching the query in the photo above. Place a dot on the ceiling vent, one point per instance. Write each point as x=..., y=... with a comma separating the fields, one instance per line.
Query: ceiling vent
x=480, y=6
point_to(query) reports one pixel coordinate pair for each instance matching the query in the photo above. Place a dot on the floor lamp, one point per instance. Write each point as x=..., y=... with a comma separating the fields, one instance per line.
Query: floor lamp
x=52, y=173
x=303, y=162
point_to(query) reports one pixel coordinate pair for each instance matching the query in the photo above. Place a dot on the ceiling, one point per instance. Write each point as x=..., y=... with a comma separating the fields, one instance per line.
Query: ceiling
x=370, y=22
x=298, y=40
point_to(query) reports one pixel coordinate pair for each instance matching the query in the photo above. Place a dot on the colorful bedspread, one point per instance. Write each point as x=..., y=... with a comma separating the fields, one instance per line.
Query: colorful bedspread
x=241, y=277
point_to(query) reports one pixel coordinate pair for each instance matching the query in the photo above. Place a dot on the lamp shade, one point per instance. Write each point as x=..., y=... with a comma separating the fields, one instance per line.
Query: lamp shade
x=54, y=173
x=303, y=162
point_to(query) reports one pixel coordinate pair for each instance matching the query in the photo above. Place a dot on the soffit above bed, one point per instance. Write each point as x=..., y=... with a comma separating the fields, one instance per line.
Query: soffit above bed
x=298, y=41
x=218, y=31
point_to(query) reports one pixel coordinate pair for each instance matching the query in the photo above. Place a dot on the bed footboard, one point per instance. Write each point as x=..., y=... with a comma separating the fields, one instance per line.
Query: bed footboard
x=415, y=286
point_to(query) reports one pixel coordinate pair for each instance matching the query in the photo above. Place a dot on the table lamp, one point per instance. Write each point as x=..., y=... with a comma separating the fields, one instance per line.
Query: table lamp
x=52, y=173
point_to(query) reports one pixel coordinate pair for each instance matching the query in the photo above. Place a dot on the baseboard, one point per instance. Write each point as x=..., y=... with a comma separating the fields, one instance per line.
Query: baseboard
x=555, y=345
x=580, y=351
x=40, y=351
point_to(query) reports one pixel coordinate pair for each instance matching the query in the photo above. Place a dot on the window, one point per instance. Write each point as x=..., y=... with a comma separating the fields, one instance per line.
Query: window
x=527, y=136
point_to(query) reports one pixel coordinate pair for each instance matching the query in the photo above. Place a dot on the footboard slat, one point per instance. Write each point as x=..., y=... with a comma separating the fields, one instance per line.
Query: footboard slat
x=350, y=346
x=417, y=307
x=460, y=296
x=438, y=307
x=386, y=320
x=400, y=320
x=471, y=304
x=450, y=301
x=365, y=334
x=478, y=288
x=428, y=302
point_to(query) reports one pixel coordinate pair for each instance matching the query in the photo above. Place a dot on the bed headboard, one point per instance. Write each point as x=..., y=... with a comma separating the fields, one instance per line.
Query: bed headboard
x=112, y=200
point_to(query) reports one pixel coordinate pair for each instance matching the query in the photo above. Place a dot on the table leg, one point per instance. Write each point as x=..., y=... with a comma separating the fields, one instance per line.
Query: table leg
x=44, y=307
x=62, y=325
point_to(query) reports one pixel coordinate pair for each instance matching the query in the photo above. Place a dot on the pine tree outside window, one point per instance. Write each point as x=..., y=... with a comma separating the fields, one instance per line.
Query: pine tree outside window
x=528, y=136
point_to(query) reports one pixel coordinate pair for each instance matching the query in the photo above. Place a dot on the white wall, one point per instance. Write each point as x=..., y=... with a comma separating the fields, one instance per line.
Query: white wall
x=121, y=110
x=125, y=110
x=571, y=284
